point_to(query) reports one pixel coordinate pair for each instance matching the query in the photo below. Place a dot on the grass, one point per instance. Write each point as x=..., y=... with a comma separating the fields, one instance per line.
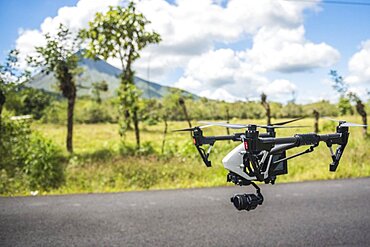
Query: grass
x=97, y=165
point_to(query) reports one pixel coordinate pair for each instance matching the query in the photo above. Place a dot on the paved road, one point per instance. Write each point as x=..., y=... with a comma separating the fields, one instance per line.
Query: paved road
x=323, y=213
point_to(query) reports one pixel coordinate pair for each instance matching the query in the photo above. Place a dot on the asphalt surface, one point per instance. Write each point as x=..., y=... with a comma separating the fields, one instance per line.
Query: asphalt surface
x=326, y=213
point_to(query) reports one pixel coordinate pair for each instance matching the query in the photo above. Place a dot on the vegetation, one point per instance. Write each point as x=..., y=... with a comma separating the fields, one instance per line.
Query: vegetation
x=51, y=109
x=11, y=79
x=341, y=86
x=59, y=56
x=121, y=33
x=266, y=105
x=157, y=158
x=100, y=165
x=28, y=161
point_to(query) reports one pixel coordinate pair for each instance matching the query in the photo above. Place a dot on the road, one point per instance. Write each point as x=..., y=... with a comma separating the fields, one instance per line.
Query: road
x=324, y=213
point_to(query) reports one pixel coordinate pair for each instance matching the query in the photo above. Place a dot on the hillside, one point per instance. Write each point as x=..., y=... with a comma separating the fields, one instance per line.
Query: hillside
x=97, y=71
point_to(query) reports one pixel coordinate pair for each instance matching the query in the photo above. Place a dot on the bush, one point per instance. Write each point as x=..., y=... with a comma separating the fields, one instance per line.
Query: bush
x=43, y=164
x=28, y=101
x=28, y=161
x=55, y=113
x=94, y=113
x=14, y=136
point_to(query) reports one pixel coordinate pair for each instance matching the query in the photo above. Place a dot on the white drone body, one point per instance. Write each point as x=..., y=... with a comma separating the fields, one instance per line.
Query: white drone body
x=233, y=162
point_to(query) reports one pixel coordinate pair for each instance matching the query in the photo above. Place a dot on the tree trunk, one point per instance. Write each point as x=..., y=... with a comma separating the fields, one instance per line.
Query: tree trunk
x=227, y=120
x=137, y=130
x=268, y=114
x=183, y=106
x=71, y=105
x=266, y=105
x=361, y=110
x=164, y=134
x=316, y=115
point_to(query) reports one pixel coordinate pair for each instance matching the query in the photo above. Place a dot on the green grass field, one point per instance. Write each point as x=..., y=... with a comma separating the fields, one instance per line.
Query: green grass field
x=98, y=166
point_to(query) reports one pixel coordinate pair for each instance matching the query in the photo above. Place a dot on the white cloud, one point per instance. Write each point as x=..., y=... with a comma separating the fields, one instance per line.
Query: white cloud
x=278, y=87
x=191, y=32
x=359, y=66
x=190, y=35
x=188, y=83
x=191, y=27
x=220, y=94
x=220, y=71
x=26, y=43
x=287, y=50
x=75, y=18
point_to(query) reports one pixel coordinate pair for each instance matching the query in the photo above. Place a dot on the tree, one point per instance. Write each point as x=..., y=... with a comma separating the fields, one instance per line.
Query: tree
x=59, y=57
x=360, y=107
x=266, y=105
x=121, y=33
x=184, y=110
x=344, y=105
x=341, y=87
x=98, y=87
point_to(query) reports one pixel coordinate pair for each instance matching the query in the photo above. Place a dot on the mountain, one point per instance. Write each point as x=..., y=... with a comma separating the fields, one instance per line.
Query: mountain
x=97, y=71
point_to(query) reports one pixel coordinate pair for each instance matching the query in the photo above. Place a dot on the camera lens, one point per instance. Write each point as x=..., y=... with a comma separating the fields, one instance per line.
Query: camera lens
x=246, y=201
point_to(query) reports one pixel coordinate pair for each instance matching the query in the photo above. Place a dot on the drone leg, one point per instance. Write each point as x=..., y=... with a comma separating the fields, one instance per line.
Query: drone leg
x=248, y=201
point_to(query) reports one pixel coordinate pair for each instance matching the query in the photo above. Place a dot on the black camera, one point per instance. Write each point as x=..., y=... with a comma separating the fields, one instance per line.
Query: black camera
x=247, y=201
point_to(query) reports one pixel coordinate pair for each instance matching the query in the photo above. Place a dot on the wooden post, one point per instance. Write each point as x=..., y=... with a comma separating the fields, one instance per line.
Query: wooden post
x=266, y=105
x=227, y=120
x=361, y=110
x=183, y=106
x=316, y=115
x=164, y=133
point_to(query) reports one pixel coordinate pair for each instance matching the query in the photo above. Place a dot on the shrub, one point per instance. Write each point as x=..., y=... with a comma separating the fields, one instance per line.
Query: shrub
x=55, y=113
x=43, y=164
x=28, y=161
x=94, y=113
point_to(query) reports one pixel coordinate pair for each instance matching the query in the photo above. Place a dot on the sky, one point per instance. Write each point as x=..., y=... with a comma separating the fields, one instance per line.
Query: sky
x=224, y=49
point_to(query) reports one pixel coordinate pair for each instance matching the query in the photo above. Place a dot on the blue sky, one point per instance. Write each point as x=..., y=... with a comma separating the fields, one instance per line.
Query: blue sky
x=24, y=14
x=227, y=62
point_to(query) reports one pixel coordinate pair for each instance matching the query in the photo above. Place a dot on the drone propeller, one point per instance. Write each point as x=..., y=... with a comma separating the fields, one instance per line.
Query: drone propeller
x=282, y=127
x=193, y=128
x=286, y=122
x=242, y=126
x=227, y=125
x=334, y=120
x=343, y=123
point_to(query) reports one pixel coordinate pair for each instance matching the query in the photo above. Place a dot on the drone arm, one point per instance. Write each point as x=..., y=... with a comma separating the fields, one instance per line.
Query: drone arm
x=340, y=138
x=200, y=140
x=305, y=139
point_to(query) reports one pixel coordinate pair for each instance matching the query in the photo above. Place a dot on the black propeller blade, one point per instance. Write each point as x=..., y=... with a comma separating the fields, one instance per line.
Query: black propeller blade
x=281, y=127
x=286, y=122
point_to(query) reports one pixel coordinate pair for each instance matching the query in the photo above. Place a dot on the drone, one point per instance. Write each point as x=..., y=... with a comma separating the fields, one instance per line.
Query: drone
x=261, y=157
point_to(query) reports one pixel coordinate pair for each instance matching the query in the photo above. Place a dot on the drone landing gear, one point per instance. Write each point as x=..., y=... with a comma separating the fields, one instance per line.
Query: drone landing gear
x=245, y=201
